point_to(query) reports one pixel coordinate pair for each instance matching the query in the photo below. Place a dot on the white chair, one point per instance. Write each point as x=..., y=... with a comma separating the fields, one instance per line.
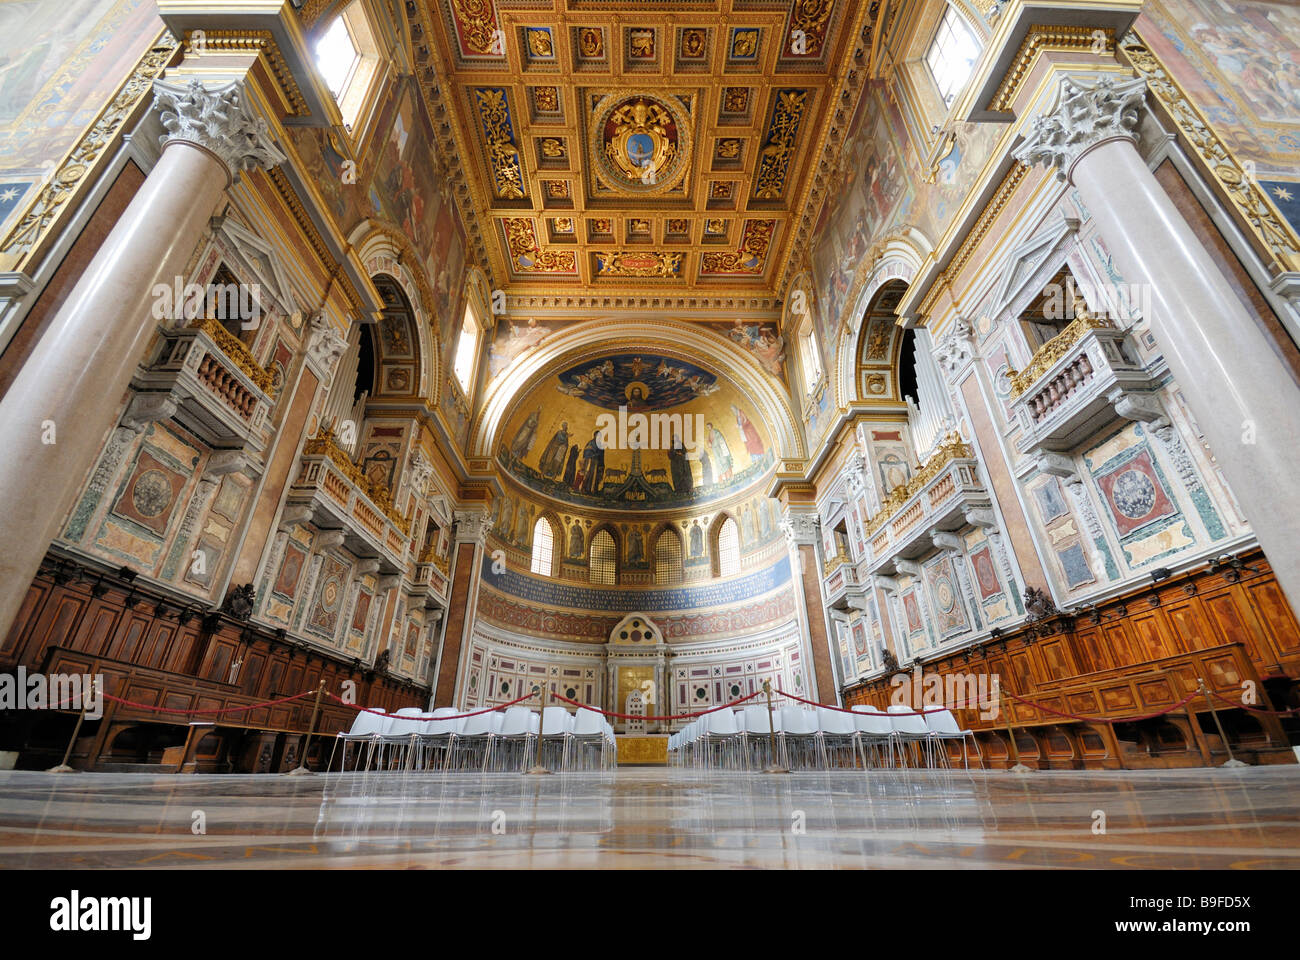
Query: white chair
x=799, y=736
x=758, y=735
x=439, y=733
x=399, y=735
x=518, y=734
x=474, y=743
x=557, y=732
x=943, y=726
x=837, y=733
x=874, y=732
x=719, y=728
x=910, y=729
x=366, y=727
x=589, y=731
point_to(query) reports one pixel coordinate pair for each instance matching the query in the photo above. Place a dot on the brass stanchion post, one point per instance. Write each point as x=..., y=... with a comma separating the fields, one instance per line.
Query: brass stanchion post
x=1231, y=761
x=301, y=769
x=537, y=769
x=775, y=765
x=64, y=767
x=1017, y=766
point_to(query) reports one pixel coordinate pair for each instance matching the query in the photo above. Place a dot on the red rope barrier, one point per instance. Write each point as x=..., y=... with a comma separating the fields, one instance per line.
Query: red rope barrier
x=1246, y=706
x=430, y=716
x=674, y=716
x=1073, y=716
x=251, y=706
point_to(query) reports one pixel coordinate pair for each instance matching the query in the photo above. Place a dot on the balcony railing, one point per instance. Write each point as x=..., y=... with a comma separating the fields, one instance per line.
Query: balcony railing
x=1068, y=390
x=220, y=390
x=939, y=496
x=341, y=495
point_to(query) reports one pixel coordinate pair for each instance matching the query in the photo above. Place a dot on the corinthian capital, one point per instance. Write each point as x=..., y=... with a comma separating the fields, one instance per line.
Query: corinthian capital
x=800, y=527
x=1082, y=118
x=215, y=118
x=472, y=526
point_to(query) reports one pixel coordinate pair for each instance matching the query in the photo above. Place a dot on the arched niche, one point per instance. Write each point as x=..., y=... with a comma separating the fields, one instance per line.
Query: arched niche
x=588, y=339
x=406, y=341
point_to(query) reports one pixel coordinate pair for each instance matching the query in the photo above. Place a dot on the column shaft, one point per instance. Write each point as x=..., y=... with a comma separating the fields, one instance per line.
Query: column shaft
x=1241, y=394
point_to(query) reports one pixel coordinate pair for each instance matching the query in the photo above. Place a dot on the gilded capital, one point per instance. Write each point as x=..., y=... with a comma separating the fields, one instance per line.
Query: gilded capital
x=217, y=119
x=1083, y=117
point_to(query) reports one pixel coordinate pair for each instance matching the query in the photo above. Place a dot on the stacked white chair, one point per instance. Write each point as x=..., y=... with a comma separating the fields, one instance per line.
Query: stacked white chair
x=589, y=731
x=439, y=734
x=910, y=730
x=366, y=727
x=473, y=747
x=875, y=733
x=557, y=732
x=399, y=735
x=758, y=735
x=799, y=737
x=719, y=728
x=837, y=734
x=943, y=726
x=515, y=740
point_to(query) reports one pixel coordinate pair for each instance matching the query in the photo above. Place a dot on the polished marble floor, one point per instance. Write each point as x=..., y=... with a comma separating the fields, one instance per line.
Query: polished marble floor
x=656, y=818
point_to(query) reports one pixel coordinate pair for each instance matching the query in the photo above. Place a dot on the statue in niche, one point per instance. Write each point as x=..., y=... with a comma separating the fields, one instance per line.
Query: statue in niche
x=697, y=541
x=575, y=542
x=634, y=550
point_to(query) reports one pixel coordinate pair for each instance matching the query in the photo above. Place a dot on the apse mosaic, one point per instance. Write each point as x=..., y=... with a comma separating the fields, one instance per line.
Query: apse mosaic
x=635, y=429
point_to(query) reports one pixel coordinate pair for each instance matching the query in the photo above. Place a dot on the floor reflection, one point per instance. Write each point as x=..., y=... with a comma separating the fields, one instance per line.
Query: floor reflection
x=656, y=818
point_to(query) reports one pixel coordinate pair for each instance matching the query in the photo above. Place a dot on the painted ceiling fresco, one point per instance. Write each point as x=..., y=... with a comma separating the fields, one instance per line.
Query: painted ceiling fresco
x=652, y=147
x=636, y=430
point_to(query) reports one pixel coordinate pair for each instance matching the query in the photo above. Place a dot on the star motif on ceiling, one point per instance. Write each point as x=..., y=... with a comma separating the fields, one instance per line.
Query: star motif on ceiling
x=1282, y=193
x=8, y=195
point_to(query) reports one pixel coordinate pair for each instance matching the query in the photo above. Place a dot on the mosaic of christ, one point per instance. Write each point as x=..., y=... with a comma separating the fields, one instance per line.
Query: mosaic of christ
x=635, y=429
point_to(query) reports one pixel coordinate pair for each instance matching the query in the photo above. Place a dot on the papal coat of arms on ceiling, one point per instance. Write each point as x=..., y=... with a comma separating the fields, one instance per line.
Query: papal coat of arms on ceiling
x=640, y=143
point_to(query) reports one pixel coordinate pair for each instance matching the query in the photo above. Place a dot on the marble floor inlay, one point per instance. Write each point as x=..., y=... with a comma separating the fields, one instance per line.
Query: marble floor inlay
x=654, y=818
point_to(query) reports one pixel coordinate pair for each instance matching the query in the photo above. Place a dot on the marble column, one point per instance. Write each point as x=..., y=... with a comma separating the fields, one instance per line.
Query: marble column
x=80, y=368
x=1240, y=392
x=801, y=527
x=472, y=528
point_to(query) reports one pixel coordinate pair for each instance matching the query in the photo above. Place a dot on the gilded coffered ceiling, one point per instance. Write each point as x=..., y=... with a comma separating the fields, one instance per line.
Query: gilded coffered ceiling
x=658, y=148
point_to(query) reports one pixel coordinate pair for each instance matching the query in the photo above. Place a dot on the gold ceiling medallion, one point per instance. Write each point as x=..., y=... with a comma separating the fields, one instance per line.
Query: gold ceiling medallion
x=640, y=143
x=638, y=264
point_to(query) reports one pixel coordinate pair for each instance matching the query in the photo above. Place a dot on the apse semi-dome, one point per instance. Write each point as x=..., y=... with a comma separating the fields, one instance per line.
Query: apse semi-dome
x=640, y=430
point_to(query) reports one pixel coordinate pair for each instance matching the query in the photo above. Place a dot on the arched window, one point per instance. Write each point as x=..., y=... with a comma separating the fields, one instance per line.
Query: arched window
x=728, y=548
x=543, y=547
x=668, y=558
x=602, y=562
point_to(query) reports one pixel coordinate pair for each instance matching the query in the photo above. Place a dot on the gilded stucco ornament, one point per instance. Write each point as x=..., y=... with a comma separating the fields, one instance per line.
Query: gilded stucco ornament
x=1082, y=118
x=217, y=119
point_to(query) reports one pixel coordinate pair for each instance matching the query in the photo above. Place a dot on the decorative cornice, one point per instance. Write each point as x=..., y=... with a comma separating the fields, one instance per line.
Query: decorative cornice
x=217, y=119
x=261, y=42
x=1251, y=202
x=444, y=115
x=1039, y=40
x=1081, y=118
x=76, y=170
